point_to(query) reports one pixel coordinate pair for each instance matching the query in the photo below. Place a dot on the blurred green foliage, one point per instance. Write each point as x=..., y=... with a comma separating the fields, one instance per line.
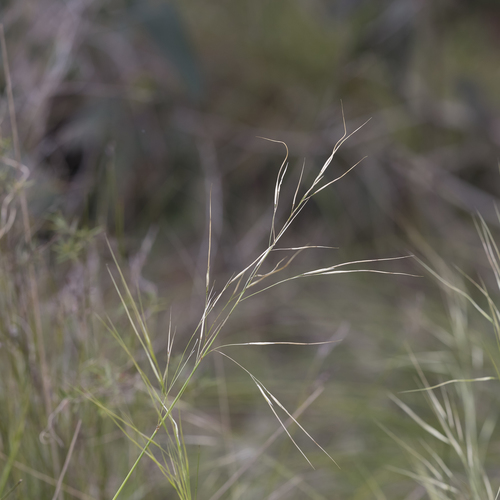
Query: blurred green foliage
x=71, y=241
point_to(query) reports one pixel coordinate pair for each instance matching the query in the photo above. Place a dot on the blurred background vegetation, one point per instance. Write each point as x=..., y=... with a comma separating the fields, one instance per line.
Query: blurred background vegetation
x=134, y=116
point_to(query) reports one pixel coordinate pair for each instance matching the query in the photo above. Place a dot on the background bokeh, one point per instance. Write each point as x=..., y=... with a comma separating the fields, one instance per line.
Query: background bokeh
x=171, y=97
x=137, y=116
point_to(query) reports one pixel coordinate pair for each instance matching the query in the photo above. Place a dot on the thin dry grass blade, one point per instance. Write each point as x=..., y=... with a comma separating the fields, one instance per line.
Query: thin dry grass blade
x=267, y=394
x=278, y=343
x=425, y=480
x=456, y=381
x=49, y=480
x=454, y=288
x=431, y=430
x=232, y=480
x=66, y=462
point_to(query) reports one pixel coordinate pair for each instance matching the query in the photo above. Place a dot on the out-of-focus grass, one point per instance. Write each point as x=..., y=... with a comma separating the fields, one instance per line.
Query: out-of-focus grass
x=101, y=90
x=227, y=430
x=102, y=93
x=457, y=458
x=64, y=380
x=71, y=445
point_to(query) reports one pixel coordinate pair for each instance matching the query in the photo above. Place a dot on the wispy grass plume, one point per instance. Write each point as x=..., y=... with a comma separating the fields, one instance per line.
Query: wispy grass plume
x=166, y=385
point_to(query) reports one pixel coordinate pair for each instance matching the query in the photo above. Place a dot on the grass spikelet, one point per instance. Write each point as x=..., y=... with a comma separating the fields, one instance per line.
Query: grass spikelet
x=218, y=308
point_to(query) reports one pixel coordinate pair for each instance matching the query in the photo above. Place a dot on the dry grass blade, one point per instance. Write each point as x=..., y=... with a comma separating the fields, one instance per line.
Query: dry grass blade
x=12, y=490
x=305, y=247
x=277, y=343
x=334, y=270
x=33, y=286
x=337, y=178
x=431, y=430
x=457, y=381
x=277, y=188
x=49, y=480
x=327, y=270
x=232, y=480
x=454, y=288
x=298, y=185
x=270, y=398
x=425, y=480
x=130, y=307
x=68, y=458
x=426, y=463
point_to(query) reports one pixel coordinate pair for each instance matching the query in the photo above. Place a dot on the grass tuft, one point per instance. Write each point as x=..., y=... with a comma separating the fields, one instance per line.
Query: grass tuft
x=166, y=390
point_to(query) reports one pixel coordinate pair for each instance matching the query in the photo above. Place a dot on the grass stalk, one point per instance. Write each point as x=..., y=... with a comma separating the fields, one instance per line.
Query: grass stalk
x=33, y=286
x=235, y=291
